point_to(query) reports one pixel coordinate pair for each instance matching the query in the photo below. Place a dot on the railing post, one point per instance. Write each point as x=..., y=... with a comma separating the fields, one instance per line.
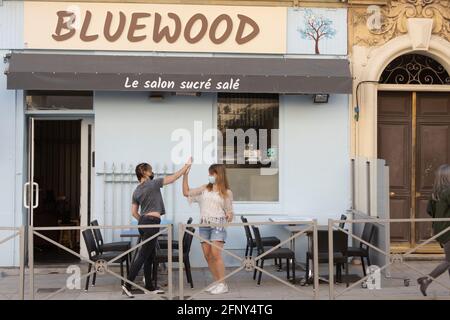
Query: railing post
x=180, y=261
x=315, y=260
x=368, y=188
x=330, y=259
x=22, y=263
x=353, y=182
x=31, y=260
x=169, y=256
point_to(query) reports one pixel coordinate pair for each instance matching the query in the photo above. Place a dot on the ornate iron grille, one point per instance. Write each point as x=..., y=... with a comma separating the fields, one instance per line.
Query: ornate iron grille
x=415, y=69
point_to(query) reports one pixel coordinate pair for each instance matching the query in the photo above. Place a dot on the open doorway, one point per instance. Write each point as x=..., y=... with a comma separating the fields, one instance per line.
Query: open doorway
x=57, y=171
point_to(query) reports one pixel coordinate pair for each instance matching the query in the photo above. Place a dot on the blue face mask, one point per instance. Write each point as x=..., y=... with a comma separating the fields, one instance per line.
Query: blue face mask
x=212, y=179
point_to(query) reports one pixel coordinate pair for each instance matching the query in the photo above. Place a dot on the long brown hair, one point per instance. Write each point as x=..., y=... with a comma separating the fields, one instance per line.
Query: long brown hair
x=441, y=181
x=221, y=179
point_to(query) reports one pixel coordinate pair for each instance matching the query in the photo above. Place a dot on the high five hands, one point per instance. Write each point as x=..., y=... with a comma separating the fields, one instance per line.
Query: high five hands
x=188, y=166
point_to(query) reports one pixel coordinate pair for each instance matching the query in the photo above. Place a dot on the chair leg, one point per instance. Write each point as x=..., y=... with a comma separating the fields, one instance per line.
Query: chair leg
x=363, y=266
x=260, y=273
x=293, y=270
x=188, y=272
x=87, y=279
x=346, y=274
x=121, y=272
x=251, y=251
x=246, y=251
x=307, y=269
x=287, y=269
x=254, y=272
x=338, y=273
x=368, y=261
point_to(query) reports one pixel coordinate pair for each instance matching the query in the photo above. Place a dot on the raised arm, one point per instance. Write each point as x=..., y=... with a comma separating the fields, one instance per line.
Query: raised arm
x=186, y=183
x=174, y=177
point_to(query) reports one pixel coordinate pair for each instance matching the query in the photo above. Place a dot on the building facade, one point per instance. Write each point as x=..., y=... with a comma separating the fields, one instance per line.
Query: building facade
x=93, y=88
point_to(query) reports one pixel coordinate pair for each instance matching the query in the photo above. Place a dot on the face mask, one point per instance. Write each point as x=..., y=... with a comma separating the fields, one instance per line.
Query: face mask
x=152, y=176
x=212, y=179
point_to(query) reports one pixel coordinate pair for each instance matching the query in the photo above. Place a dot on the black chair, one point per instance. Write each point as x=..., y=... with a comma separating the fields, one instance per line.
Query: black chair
x=342, y=224
x=163, y=243
x=162, y=257
x=251, y=243
x=95, y=255
x=363, y=250
x=340, y=256
x=279, y=253
x=119, y=246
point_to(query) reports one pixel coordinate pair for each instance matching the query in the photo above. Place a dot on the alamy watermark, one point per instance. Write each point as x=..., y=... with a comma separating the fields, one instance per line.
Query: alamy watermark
x=236, y=146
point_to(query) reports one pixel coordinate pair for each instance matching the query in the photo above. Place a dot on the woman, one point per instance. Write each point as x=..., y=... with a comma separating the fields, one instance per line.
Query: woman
x=216, y=206
x=439, y=207
x=148, y=198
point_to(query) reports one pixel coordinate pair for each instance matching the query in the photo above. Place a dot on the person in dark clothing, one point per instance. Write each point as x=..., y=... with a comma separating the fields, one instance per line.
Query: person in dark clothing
x=439, y=207
x=148, y=198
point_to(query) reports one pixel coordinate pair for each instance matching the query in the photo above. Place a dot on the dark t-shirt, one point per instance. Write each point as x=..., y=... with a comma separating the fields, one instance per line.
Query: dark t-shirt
x=148, y=196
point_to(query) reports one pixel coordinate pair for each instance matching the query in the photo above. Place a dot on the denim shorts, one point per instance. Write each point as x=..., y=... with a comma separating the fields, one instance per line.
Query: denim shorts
x=213, y=234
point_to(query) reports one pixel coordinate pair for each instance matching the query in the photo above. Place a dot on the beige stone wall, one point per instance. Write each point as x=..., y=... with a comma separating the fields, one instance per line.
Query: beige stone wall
x=371, y=50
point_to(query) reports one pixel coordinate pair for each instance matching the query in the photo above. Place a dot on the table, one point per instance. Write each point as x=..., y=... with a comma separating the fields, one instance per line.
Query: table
x=292, y=228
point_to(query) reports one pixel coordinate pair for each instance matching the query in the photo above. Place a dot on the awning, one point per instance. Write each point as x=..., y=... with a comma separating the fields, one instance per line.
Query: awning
x=33, y=71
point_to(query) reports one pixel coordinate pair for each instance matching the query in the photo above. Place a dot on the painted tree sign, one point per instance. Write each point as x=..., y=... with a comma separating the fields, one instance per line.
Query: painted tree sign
x=317, y=31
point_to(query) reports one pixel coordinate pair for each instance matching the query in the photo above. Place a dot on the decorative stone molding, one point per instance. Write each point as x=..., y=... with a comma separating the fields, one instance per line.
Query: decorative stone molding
x=419, y=31
x=374, y=26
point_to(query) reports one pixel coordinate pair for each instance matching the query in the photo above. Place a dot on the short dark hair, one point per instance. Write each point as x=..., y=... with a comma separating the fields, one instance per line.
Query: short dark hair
x=141, y=168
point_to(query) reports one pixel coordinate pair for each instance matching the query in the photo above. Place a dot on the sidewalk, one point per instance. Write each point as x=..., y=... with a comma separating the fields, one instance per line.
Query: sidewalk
x=241, y=285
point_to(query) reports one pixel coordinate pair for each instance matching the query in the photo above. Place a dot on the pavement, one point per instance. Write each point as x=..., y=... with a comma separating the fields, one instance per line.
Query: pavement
x=49, y=279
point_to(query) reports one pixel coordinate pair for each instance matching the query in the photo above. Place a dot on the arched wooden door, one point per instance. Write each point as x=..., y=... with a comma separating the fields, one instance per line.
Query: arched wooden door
x=414, y=139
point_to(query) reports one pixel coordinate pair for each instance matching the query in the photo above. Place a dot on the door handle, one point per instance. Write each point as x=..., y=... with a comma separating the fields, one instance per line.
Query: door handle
x=392, y=194
x=37, y=195
x=418, y=194
x=25, y=192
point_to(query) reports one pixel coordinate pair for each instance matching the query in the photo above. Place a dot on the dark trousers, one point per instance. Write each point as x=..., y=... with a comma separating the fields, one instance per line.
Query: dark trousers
x=147, y=252
x=443, y=266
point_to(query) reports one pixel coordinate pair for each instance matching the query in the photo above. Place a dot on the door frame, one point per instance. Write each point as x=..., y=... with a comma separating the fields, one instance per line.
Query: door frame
x=86, y=162
x=413, y=90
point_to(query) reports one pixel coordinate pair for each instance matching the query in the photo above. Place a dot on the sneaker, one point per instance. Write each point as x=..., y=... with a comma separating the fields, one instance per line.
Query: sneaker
x=127, y=291
x=220, y=289
x=155, y=291
x=211, y=288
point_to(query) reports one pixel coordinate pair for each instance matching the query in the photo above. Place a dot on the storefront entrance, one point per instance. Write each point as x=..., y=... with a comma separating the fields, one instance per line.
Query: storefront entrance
x=57, y=146
x=414, y=139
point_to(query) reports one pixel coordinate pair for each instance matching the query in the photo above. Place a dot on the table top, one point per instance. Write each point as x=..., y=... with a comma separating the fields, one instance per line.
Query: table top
x=288, y=219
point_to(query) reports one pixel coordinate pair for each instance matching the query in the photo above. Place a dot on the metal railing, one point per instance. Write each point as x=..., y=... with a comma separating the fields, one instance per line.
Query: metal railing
x=392, y=258
x=18, y=232
x=100, y=267
x=249, y=264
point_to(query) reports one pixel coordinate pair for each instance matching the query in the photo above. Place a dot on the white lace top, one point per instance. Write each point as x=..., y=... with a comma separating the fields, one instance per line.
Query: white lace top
x=213, y=208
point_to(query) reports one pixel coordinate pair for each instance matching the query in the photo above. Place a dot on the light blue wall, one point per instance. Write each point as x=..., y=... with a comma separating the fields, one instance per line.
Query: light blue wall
x=11, y=167
x=314, y=155
x=316, y=163
x=11, y=25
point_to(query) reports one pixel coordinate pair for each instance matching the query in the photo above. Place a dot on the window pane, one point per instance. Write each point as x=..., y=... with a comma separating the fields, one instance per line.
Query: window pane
x=249, y=126
x=59, y=100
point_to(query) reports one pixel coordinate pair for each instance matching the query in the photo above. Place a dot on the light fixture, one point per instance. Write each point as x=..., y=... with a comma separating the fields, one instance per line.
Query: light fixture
x=187, y=94
x=321, y=98
x=156, y=96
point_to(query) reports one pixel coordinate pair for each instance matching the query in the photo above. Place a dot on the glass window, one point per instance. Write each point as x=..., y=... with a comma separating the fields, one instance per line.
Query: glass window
x=60, y=100
x=248, y=145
